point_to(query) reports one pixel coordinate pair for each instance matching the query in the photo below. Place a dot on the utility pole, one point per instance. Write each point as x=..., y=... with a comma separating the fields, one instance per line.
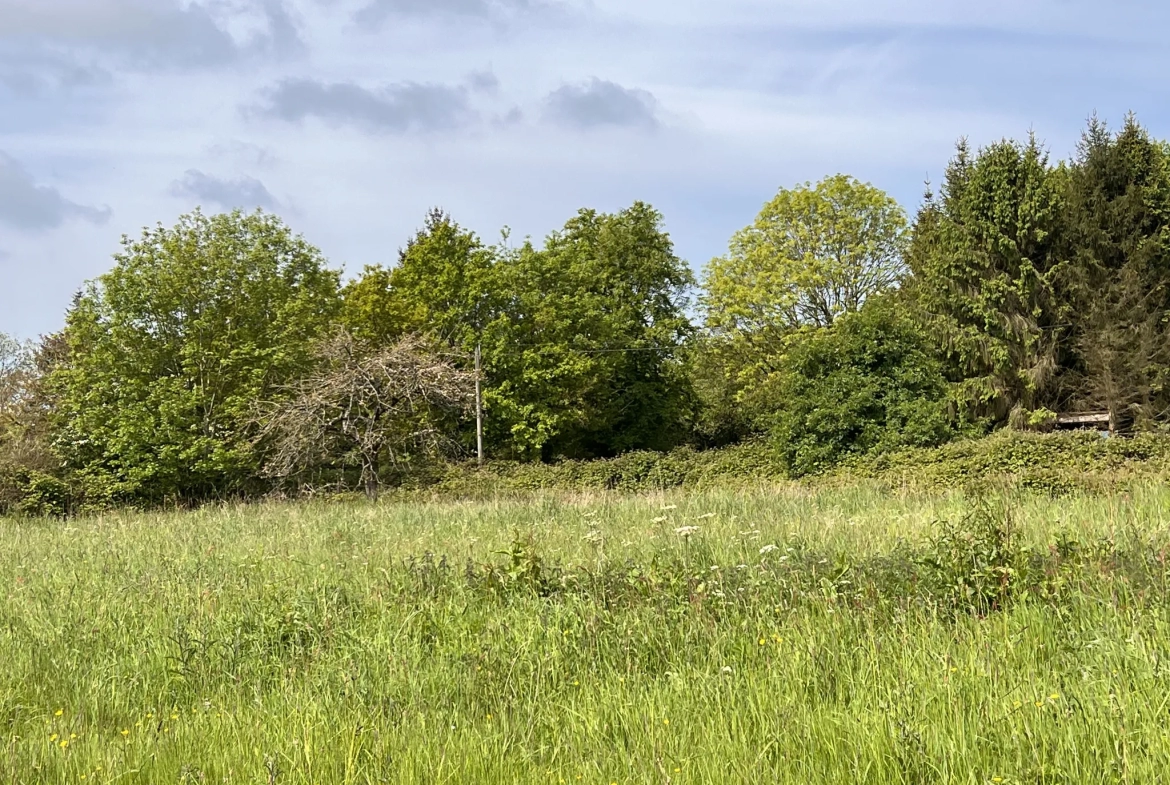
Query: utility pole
x=478, y=404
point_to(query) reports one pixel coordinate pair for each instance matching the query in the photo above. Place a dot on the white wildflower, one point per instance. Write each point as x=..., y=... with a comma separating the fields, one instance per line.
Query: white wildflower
x=768, y=549
x=686, y=531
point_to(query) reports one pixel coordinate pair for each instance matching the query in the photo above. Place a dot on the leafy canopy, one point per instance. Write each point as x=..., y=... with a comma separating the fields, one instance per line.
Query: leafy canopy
x=869, y=382
x=812, y=254
x=990, y=278
x=170, y=351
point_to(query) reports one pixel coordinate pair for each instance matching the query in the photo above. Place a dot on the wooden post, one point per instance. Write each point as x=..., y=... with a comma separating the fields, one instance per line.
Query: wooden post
x=478, y=405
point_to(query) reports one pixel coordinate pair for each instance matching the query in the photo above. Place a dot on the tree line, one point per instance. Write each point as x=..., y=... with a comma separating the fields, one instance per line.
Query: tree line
x=223, y=357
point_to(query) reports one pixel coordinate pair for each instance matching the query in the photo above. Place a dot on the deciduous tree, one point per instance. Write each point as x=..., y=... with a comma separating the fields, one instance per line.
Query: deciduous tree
x=366, y=407
x=170, y=351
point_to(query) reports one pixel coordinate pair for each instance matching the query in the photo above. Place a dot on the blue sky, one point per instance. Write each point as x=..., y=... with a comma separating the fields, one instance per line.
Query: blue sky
x=351, y=118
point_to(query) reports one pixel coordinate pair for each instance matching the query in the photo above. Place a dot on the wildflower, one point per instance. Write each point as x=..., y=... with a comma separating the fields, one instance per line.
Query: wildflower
x=125, y=731
x=1054, y=696
x=768, y=549
x=762, y=641
x=661, y=519
x=58, y=713
x=63, y=743
x=53, y=737
x=997, y=779
x=705, y=516
x=686, y=531
x=666, y=722
x=669, y=507
x=174, y=716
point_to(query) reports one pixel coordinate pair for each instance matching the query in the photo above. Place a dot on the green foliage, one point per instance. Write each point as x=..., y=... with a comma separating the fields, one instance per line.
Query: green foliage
x=989, y=276
x=977, y=564
x=169, y=353
x=812, y=257
x=870, y=382
x=812, y=254
x=584, y=360
x=580, y=338
x=442, y=285
x=1055, y=464
x=633, y=472
x=1118, y=238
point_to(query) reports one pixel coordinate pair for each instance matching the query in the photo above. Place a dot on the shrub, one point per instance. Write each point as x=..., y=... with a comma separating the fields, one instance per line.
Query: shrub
x=868, y=383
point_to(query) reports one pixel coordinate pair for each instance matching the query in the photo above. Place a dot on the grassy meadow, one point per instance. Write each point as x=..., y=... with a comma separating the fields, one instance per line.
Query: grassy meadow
x=777, y=635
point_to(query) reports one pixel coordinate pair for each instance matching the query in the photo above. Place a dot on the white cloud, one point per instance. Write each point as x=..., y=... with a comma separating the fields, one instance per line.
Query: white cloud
x=598, y=103
x=26, y=206
x=227, y=192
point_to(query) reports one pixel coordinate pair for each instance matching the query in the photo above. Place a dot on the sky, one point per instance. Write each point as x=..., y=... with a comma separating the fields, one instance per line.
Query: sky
x=351, y=118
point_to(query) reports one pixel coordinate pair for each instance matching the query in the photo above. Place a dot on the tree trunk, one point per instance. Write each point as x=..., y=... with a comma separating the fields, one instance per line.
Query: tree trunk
x=370, y=478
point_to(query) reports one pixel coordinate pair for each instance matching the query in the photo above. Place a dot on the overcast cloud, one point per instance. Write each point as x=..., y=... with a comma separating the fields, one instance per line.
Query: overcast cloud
x=227, y=193
x=391, y=109
x=598, y=103
x=26, y=206
x=350, y=118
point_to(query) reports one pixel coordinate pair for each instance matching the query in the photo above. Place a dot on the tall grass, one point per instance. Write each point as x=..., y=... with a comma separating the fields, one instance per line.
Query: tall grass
x=832, y=636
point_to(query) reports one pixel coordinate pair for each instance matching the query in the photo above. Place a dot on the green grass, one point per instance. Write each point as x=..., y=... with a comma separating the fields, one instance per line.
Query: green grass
x=886, y=638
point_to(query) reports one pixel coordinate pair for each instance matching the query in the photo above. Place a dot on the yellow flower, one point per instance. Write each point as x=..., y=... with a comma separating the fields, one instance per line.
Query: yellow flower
x=53, y=737
x=1053, y=696
x=58, y=713
x=762, y=641
x=1039, y=704
x=997, y=779
x=174, y=716
x=125, y=731
x=64, y=743
x=666, y=722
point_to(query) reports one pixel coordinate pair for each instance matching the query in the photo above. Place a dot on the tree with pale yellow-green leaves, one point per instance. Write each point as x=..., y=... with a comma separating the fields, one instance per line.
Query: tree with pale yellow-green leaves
x=812, y=254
